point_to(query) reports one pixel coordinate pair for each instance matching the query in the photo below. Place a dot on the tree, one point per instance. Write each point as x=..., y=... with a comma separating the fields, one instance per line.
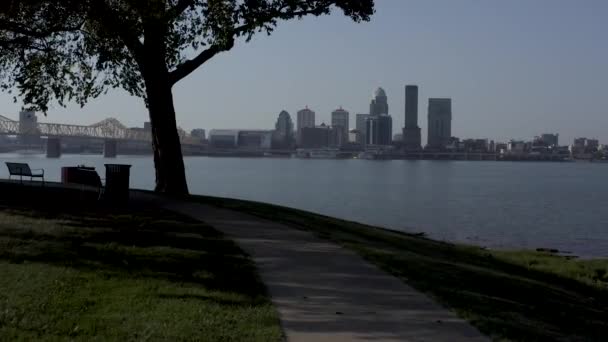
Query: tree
x=74, y=50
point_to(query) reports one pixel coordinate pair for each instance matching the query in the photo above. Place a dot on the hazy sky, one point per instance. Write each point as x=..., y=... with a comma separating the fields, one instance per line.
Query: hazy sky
x=513, y=69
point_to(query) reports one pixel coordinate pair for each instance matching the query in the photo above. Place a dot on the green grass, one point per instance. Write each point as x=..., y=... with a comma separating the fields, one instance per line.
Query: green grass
x=508, y=295
x=125, y=274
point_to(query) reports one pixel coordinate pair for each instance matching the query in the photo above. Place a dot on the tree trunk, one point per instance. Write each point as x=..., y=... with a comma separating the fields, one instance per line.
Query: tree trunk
x=168, y=160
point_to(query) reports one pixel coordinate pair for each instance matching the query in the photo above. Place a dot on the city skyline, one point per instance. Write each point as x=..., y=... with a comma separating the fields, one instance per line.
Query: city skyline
x=507, y=72
x=306, y=117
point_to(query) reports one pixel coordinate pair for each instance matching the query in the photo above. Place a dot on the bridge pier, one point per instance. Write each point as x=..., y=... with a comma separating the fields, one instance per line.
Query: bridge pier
x=53, y=147
x=110, y=148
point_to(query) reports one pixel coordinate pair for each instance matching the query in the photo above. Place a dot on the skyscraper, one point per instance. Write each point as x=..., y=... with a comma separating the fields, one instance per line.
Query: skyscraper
x=339, y=122
x=440, y=123
x=371, y=130
x=379, y=130
x=379, y=104
x=305, y=118
x=283, y=136
x=361, y=128
x=411, y=131
x=385, y=129
x=379, y=125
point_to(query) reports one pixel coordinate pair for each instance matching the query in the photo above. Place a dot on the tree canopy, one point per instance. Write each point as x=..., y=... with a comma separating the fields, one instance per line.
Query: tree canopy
x=73, y=50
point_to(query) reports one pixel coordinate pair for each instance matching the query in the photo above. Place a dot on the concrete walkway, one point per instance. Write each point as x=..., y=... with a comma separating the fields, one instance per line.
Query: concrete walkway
x=326, y=293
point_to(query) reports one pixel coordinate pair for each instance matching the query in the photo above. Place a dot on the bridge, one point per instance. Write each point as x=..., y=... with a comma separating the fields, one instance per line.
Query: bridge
x=109, y=130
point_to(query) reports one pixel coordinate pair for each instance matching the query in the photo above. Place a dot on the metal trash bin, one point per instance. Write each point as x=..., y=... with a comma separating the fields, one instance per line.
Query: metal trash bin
x=117, y=182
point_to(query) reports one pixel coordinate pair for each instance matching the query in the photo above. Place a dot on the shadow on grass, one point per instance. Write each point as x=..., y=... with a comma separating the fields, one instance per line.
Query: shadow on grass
x=502, y=299
x=134, y=240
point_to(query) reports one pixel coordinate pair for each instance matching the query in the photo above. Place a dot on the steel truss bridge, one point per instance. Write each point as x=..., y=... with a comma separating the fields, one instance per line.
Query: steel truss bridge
x=108, y=129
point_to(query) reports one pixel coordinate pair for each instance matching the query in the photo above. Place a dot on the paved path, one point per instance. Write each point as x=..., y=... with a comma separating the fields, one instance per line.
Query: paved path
x=326, y=293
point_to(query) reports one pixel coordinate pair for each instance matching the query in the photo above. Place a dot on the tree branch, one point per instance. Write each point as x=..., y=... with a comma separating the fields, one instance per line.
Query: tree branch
x=187, y=67
x=178, y=9
x=126, y=33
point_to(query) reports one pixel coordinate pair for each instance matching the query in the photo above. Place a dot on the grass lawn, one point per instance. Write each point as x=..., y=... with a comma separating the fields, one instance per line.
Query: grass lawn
x=125, y=274
x=508, y=295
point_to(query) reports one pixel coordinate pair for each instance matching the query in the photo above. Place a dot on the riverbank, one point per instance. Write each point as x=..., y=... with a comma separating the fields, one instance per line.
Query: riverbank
x=514, y=295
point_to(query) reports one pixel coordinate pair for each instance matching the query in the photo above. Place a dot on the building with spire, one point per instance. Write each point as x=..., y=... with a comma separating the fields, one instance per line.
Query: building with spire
x=379, y=124
x=379, y=104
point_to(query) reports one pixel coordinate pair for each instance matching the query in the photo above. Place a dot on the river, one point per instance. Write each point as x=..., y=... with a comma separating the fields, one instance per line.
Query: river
x=493, y=204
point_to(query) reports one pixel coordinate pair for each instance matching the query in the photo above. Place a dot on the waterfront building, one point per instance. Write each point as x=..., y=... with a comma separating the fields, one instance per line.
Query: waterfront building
x=517, y=147
x=550, y=140
x=361, y=127
x=501, y=147
x=475, y=145
x=353, y=136
x=592, y=145
x=197, y=133
x=283, y=137
x=411, y=132
x=378, y=124
x=305, y=118
x=315, y=137
x=223, y=138
x=385, y=130
x=340, y=123
x=379, y=130
x=371, y=130
x=584, y=146
x=255, y=139
x=439, y=122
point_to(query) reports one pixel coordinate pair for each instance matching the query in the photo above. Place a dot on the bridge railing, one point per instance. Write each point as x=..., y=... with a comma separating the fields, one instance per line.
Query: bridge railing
x=63, y=130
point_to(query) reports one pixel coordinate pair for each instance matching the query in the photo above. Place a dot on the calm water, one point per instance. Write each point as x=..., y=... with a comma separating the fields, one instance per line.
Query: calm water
x=494, y=204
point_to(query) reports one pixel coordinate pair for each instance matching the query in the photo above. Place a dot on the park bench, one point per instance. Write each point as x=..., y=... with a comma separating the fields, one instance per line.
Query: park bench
x=23, y=170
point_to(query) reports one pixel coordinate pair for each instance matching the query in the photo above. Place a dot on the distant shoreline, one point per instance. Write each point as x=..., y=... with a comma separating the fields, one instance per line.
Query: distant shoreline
x=438, y=156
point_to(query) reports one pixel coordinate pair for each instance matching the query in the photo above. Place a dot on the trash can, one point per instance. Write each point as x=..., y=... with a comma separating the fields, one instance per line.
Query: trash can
x=117, y=182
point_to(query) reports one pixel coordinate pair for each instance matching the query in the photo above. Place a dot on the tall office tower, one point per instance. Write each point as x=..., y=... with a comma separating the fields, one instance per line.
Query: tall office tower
x=440, y=123
x=379, y=130
x=305, y=118
x=339, y=122
x=379, y=104
x=371, y=130
x=385, y=130
x=283, y=136
x=411, y=131
x=361, y=128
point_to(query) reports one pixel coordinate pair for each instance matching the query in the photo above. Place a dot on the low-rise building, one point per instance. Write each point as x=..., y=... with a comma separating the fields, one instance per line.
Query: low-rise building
x=199, y=134
x=475, y=145
x=224, y=138
x=517, y=147
x=256, y=139
x=315, y=137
